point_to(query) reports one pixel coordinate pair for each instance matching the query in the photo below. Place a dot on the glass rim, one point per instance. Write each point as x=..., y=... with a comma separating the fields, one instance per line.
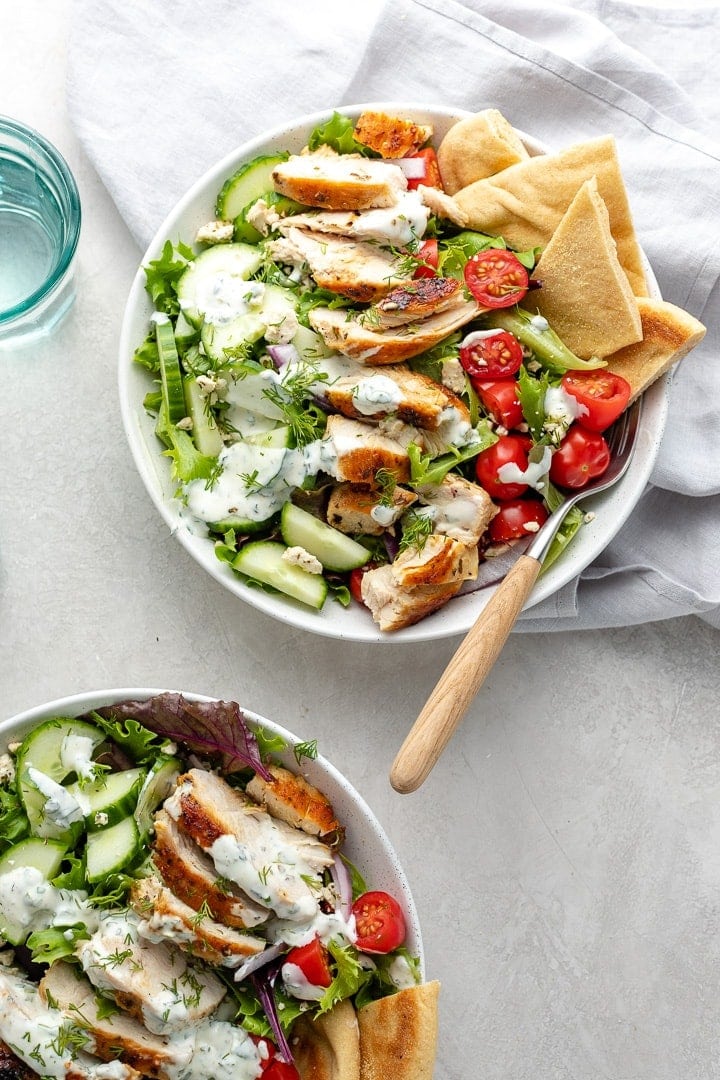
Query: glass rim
x=34, y=140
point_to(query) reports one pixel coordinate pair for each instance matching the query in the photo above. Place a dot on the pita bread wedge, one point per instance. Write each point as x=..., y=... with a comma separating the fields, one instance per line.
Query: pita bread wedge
x=584, y=294
x=328, y=1047
x=398, y=1035
x=477, y=147
x=669, y=333
x=525, y=203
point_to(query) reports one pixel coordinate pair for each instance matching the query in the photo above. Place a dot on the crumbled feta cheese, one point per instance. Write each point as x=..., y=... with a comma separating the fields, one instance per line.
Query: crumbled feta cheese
x=186, y=424
x=590, y=516
x=531, y=526
x=215, y=232
x=262, y=217
x=283, y=332
x=453, y=375
x=101, y=818
x=298, y=556
x=7, y=769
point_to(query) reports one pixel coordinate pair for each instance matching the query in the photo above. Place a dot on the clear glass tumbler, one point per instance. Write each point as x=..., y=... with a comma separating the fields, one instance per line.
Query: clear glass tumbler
x=39, y=232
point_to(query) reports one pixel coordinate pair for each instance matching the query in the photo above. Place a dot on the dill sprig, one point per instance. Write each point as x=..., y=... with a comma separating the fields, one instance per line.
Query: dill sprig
x=417, y=527
x=293, y=396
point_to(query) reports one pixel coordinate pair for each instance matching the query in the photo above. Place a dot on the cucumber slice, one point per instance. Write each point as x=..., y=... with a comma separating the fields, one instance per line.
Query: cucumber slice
x=242, y=526
x=278, y=437
x=263, y=561
x=42, y=750
x=170, y=375
x=159, y=783
x=114, y=796
x=43, y=855
x=185, y=333
x=310, y=345
x=112, y=850
x=246, y=185
x=248, y=397
x=205, y=432
x=334, y=549
x=232, y=260
x=220, y=340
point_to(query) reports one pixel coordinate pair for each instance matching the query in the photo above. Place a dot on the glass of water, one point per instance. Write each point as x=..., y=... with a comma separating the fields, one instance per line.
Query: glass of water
x=39, y=231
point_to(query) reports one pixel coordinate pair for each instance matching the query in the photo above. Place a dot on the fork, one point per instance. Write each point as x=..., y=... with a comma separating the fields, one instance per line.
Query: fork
x=475, y=656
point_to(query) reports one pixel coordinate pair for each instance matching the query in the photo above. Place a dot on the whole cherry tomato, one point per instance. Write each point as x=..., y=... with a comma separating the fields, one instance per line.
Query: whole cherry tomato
x=514, y=517
x=496, y=278
x=508, y=450
x=491, y=355
x=604, y=395
x=501, y=401
x=581, y=456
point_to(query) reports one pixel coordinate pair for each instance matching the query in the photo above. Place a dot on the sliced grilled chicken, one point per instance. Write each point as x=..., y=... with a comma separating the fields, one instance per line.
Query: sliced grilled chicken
x=356, y=338
x=34, y=1027
x=277, y=866
x=391, y=136
x=164, y=918
x=362, y=452
x=414, y=301
x=226, y=1050
x=154, y=983
x=339, y=182
x=438, y=561
x=398, y=225
x=191, y=876
x=462, y=510
x=418, y=582
x=356, y=269
x=393, y=607
x=293, y=800
x=360, y=509
x=397, y=391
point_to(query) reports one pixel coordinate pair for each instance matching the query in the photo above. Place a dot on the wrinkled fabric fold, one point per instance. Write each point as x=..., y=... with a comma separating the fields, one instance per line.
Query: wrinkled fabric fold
x=158, y=93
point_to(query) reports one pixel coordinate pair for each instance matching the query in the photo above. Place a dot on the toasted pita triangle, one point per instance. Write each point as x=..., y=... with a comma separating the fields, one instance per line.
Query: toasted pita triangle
x=398, y=1035
x=526, y=202
x=476, y=147
x=328, y=1047
x=584, y=293
x=669, y=333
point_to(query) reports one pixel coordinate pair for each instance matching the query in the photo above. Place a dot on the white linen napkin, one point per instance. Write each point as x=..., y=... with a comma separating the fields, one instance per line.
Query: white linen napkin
x=159, y=92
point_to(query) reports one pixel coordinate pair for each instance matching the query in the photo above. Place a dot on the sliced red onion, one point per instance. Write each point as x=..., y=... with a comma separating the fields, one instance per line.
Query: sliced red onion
x=392, y=545
x=414, y=168
x=259, y=960
x=282, y=355
x=343, y=884
x=264, y=987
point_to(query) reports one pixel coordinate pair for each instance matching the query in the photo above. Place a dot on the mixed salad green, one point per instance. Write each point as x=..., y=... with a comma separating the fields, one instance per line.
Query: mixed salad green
x=89, y=888
x=241, y=376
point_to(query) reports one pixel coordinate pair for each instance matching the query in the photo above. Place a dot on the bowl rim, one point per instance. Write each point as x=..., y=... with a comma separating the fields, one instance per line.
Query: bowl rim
x=84, y=701
x=458, y=616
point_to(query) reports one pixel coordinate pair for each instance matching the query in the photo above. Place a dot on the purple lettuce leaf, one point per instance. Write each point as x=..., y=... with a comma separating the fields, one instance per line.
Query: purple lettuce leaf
x=214, y=729
x=264, y=981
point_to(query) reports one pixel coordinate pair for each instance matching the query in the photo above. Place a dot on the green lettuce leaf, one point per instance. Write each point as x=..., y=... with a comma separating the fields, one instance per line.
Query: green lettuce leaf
x=162, y=276
x=424, y=469
x=348, y=979
x=337, y=132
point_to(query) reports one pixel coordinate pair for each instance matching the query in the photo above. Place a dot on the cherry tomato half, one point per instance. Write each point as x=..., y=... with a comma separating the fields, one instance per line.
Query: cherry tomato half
x=496, y=278
x=501, y=401
x=355, y=581
x=508, y=450
x=428, y=252
x=581, y=456
x=513, y=517
x=312, y=959
x=491, y=356
x=267, y=1050
x=432, y=176
x=604, y=395
x=379, y=921
x=280, y=1070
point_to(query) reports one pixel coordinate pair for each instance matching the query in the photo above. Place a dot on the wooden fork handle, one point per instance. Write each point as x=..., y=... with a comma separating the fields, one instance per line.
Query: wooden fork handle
x=462, y=678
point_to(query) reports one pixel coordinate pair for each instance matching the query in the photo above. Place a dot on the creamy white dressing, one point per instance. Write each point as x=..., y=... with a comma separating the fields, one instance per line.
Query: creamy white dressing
x=535, y=475
x=401, y=973
x=60, y=807
x=384, y=515
x=399, y=224
x=539, y=323
x=376, y=393
x=325, y=925
x=29, y=901
x=298, y=986
x=225, y=296
x=76, y=755
x=478, y=335
x=454, y=429
x=559, y=406
x=214, y=1049
x=256, y=481
x=271, y=872
x=30, y=1028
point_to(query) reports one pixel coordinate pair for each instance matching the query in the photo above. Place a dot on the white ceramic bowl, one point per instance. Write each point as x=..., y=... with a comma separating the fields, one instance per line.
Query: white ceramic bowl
x=611, y=509
x=366, y=844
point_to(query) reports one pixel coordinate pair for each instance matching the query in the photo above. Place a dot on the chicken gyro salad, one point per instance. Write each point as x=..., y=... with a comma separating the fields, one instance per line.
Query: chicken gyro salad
x=176, y=903
x=383, y=360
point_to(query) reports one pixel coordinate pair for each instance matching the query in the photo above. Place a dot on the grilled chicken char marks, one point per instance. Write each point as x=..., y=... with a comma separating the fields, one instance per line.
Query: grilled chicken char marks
x=298, y=803
x=189, y=873
x=415, y=301
x=417, y=399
